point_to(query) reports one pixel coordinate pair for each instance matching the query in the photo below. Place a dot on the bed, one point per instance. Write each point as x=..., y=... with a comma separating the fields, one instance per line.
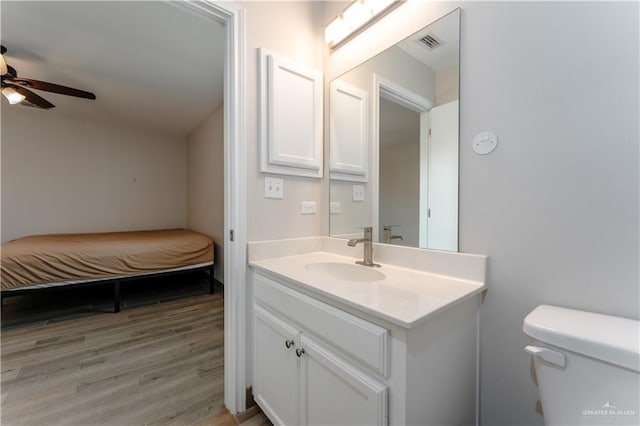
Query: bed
x=46, y=262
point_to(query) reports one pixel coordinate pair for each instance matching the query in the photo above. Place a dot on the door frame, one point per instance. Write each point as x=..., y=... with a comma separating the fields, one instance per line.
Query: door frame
x=232, y=15
x=383, y=87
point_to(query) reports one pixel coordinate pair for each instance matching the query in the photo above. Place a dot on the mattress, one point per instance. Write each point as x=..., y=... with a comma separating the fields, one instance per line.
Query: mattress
x=41, y=260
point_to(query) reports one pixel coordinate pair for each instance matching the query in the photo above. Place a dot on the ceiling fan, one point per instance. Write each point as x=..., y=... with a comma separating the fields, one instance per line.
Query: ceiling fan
x=17, y=89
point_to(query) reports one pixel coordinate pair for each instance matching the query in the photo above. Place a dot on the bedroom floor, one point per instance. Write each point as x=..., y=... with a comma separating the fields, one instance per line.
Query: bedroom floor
x=66, y=360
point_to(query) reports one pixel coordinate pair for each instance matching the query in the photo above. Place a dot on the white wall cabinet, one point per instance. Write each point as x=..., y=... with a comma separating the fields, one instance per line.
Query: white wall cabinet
x=290, y=117
x=317, y=363
x=349, y=132
x=302, y=380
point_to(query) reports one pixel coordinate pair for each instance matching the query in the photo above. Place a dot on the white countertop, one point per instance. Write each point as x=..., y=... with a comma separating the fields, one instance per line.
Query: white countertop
x=405, y=297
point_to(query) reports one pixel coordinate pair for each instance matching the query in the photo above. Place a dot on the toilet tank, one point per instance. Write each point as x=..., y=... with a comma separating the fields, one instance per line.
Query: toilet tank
x=587, y=366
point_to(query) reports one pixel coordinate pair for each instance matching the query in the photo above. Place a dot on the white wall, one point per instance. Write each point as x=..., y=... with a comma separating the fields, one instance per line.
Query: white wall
x=447, y=88
x=400, y=68
x=556, y=206
x=354, y=215
x=205, y=183
x=293, y=30
x=61, y=175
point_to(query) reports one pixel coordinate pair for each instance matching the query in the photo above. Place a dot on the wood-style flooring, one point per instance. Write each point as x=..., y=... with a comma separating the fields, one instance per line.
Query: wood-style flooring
x=67, y=360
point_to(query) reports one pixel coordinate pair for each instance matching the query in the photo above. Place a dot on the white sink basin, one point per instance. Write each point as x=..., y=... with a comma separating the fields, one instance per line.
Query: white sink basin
x=346, y=271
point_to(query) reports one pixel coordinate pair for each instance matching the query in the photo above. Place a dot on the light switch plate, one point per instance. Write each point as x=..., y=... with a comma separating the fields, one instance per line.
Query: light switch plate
x=334, y=207
x=273, y=187
x=358, y=192
x=308, y=207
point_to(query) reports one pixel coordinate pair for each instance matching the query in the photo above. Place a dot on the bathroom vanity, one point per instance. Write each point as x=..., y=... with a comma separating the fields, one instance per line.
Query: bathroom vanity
x=339, y=343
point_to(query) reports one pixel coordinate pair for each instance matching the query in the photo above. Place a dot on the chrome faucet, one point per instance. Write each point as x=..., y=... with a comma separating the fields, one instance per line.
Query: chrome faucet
x=388, y=236
x=368, y=247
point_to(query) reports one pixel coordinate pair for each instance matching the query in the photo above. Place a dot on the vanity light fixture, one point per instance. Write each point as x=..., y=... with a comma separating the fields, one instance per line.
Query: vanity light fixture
x=356, y=17
x=12, y=95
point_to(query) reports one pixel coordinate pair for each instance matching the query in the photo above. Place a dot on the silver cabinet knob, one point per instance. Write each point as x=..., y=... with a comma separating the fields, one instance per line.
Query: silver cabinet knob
x=299, y=352
x=289, y=343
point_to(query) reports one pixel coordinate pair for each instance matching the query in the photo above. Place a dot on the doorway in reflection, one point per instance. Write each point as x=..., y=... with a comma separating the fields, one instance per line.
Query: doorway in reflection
x=418, y=154
x=399, y=170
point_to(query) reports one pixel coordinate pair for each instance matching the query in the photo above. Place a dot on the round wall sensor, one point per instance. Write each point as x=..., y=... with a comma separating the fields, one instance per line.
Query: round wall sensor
x=484, y=143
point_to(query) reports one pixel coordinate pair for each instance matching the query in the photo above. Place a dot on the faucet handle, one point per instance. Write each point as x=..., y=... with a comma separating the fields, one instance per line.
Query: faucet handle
x=368, y=233
x=366, y=229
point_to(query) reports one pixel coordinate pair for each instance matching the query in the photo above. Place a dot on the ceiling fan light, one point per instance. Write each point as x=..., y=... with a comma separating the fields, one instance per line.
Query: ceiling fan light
x=3, y=66
x=12, y=96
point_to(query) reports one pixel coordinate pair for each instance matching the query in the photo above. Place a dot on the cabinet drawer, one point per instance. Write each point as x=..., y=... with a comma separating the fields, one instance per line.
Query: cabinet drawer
x=361, y=339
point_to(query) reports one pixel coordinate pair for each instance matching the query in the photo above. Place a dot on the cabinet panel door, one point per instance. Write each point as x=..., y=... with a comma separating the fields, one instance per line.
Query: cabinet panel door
x=276, y=368
x=291, y=117
x=349, y=132
x=333, y=392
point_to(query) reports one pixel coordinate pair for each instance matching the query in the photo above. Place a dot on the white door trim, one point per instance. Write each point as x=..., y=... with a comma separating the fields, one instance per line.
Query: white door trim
x=392, y=91
x=235, y=197
x=423, y=204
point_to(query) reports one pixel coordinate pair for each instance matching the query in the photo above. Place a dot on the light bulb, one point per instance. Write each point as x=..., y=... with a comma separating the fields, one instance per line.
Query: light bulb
x=377, y=6
x=3, y=66
x=355, y=15
x=12, y=96
x=336, y=31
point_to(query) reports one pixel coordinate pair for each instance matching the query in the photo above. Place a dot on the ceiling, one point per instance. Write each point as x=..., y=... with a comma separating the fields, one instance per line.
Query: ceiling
x=447, y=31
x=151, y=64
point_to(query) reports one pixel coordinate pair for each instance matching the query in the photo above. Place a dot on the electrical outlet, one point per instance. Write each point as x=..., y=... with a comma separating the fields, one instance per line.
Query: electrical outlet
x=358, y=192
x=334, y=208
x=308, y=207
x=273, y=187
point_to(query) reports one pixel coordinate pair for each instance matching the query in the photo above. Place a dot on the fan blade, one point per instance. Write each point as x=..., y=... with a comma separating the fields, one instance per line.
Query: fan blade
x=32, y=97
x=54, y=88
x=12, y=72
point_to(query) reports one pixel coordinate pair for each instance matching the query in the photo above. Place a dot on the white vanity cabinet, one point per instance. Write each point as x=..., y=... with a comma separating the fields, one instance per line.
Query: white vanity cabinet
x=303, y=379
x=320, y=359
x=276, y=385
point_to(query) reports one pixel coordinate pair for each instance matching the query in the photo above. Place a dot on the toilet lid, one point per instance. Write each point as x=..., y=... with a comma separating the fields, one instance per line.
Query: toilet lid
x=612, y=339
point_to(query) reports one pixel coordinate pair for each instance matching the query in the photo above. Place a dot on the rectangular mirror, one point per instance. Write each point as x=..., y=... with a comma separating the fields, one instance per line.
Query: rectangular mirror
x=394, y=137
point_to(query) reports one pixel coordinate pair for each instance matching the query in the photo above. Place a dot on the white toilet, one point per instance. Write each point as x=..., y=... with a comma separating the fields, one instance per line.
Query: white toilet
x=587, y=366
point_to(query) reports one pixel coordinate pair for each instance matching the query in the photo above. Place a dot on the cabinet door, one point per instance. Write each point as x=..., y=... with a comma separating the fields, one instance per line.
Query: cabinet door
x=291, y=117
x=276, y=368
x=349, y=132
x=333, y=392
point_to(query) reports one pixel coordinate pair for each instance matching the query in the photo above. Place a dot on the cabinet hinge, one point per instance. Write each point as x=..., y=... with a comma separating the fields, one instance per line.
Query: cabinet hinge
x=232, y=235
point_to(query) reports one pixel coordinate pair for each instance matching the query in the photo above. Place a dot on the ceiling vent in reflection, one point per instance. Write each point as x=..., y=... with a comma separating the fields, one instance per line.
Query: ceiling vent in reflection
x=430, y=41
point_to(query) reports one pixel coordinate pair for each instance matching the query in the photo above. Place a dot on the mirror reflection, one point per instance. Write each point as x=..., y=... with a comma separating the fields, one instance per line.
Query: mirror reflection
x=394, y=142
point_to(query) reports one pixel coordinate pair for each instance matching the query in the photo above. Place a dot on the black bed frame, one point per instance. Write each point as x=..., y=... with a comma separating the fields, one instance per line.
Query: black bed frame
x=115, y=282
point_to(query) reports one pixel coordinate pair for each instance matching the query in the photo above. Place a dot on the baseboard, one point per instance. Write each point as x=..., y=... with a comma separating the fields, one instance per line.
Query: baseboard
x=252, y=407
x=247, y=414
